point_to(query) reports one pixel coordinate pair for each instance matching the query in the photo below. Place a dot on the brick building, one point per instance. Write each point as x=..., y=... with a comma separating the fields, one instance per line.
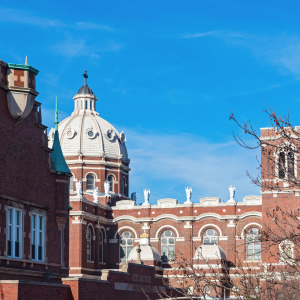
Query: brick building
x=106, y=226
x=69, y=228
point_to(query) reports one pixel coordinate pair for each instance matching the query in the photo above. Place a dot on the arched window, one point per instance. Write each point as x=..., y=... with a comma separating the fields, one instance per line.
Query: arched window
x=286, y=165
x=101, y=241
x=71, y=183
x=110, y=179
x=210, y=237
x=126, y=245
x=167, y=245
x=123, y=186
x=89, y=239
x=90, y=182
x=253, y=244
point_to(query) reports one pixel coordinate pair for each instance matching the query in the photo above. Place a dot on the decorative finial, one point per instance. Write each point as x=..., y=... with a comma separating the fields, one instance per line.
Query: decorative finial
x=26, y=61
x=85, y=77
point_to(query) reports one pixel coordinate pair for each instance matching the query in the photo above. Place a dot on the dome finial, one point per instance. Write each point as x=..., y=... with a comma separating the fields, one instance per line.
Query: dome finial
x=85, y=75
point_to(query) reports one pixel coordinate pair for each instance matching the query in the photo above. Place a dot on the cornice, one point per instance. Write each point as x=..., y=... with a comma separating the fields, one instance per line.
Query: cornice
x=175, y=218
x=22, y=89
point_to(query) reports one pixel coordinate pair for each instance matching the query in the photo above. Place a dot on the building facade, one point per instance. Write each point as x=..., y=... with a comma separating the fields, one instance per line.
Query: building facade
x=69, y=227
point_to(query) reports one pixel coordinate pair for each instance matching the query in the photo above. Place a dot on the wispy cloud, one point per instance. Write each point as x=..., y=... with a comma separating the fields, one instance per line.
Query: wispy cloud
x=89, y=25
x=220, y=34
x=168, y=163
x=72, y=47
x=196, y=35
x=30, y=18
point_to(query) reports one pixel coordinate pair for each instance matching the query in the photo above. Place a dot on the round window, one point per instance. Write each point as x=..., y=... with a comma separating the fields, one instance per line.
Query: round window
x=90, y=133
x=70, y=134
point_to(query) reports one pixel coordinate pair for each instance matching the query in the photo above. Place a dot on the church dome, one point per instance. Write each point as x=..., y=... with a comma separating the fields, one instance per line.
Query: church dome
x=86, y=133
x=85, y=89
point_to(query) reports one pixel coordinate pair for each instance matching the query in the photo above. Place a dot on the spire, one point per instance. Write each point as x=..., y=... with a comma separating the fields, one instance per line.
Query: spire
x=57, y=157
x=56, y=112
x=85, y=77
x=26, y=63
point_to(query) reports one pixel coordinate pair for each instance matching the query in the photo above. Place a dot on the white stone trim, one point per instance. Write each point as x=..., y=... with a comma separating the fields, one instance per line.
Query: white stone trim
x=125, y=227
x=100, y=228
x=210, y=225
x=248, y=225
x=87, y=228
x=166, y=226
x=85, y=176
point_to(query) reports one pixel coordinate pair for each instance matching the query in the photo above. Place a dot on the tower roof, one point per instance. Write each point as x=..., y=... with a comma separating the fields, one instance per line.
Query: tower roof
x=57, y=157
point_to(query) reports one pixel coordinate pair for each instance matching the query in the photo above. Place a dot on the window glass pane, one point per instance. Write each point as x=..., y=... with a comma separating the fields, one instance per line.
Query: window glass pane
x=9, y=216
x=167, y=233
x=17, y=217
x=122, y=254
x=130, y=242
x=90, y=182
x=111, y=181
x=128, y=250
x=33, y=221
x=281, y=165
x=40, y=252
x=171, y=241
x=41, y=223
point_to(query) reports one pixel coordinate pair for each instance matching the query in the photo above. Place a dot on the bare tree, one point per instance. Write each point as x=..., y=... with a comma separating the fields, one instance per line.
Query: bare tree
x=280, y=237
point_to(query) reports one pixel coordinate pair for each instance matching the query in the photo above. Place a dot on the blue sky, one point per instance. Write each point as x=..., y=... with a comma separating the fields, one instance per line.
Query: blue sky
x=168, y=73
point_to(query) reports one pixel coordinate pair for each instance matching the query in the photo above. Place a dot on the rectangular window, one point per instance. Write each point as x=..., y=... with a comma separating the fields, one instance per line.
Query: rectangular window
x=14, y=232
x=37, y=237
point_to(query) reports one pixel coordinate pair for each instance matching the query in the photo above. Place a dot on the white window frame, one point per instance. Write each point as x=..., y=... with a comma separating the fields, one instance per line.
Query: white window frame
x=87, y=175
x=35, y=235
x=210, y=237
x=253, y=242
x=14, y=226
x=127, y=245
x=283, y=148
x=167, y=245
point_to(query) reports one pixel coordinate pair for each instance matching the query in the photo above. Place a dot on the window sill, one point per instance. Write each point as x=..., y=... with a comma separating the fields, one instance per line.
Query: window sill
x=90, y=261
x=252, y=261
x=102, y=263
x=29, y=261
